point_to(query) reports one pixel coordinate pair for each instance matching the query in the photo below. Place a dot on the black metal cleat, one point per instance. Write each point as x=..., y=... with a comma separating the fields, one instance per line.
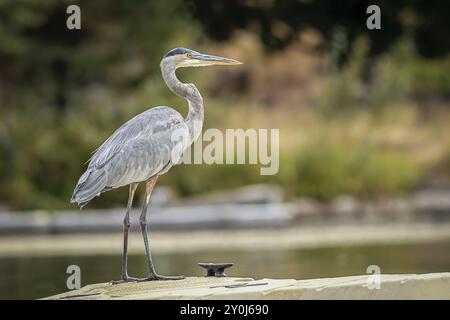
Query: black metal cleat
x=215, y=269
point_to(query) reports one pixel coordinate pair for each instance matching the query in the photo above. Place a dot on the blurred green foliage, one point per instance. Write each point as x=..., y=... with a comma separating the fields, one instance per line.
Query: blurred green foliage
x=62, y=93
x=324, y=171
x=399, y=75
x=116, y=46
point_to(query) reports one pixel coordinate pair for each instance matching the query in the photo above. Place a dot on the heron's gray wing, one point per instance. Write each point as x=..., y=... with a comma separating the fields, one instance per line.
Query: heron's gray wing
x=144, y=146
x=144, y=124
x=145, y=157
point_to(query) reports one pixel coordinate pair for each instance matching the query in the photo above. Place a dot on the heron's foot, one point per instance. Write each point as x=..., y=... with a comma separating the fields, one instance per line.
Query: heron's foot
x=125, y=279
x=155, y=277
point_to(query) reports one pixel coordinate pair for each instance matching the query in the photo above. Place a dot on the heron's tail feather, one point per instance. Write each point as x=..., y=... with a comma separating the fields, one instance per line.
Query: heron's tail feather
x=91, y=184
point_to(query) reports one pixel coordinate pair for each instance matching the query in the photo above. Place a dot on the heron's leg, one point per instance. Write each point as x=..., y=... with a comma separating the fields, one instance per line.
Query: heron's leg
x=126, y=227
x=143, y=221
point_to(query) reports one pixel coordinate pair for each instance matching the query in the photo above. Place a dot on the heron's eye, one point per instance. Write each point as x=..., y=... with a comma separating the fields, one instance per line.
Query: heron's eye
x=189, y=55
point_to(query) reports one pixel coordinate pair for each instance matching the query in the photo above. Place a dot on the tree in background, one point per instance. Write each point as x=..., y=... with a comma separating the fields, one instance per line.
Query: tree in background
x=279, y=21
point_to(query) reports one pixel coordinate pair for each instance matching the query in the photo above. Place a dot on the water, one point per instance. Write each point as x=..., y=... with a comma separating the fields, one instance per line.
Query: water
x=37, y=277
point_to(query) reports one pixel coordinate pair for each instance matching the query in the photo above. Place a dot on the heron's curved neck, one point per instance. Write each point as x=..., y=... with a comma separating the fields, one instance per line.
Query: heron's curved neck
x=194, y=119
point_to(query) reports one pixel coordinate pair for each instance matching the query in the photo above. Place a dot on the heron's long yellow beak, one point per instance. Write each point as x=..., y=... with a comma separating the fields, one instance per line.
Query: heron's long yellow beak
x=203, y=60
x=215, y=60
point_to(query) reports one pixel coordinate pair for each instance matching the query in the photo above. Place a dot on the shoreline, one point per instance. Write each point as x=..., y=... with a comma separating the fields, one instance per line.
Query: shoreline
x=223, y=240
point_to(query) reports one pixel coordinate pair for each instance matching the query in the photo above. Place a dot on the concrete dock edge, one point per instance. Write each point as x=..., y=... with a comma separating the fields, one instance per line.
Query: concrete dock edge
x=389, y=286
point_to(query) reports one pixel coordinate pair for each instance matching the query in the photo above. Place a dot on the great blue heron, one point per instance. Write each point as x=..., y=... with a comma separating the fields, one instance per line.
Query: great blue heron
x=146, y=147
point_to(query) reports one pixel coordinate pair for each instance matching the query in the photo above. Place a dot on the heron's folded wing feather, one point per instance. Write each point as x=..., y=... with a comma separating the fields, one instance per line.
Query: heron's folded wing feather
x=138, y=161
x=146, y=124
x=117, y=141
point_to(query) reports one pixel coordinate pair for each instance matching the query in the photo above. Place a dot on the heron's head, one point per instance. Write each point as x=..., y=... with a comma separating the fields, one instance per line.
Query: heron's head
x=183, y=57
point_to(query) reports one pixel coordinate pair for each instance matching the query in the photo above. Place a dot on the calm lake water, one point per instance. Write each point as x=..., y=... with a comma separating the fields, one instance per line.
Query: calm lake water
x=38, y=277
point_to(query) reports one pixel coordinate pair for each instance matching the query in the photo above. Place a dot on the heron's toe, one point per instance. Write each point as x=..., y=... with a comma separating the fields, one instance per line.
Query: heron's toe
x=159, y=277
x=125, y=280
